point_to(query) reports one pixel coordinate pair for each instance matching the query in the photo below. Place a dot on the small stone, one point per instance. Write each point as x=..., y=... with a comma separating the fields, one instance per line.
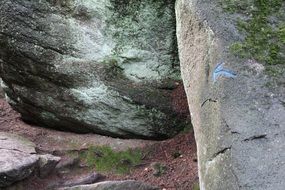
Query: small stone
x=116, y=185
x=47, y=164
x=158, y=169
x=84, y=180
x=68, y=162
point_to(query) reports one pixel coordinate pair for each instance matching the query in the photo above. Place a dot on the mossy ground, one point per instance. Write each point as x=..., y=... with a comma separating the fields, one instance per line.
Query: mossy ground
x=263, y=24
x=104, y=159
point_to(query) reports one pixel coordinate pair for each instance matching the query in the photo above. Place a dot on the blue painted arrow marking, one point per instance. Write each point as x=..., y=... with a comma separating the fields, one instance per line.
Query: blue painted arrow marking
x=221, y=72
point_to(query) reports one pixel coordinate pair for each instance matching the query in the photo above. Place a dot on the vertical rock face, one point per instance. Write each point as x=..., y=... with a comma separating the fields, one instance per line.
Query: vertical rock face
x=239, y=123
x=103, y=66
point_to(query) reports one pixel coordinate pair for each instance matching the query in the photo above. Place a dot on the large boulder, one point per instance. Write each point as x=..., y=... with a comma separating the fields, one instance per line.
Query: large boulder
x=102, y=66
x=238, y=120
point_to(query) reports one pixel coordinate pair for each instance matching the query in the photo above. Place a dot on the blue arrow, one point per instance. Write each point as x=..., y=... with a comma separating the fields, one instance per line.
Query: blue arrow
x=221, y=72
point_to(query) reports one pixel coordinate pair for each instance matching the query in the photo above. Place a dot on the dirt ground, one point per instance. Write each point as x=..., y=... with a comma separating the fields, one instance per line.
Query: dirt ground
x=176, y=155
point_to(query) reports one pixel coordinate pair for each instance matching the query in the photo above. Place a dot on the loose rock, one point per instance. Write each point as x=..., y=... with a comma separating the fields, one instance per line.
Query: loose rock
x=47, y=164
x=17, y=159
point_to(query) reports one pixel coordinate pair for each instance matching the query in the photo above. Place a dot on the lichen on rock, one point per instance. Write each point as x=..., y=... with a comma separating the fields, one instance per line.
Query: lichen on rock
x=92, y=66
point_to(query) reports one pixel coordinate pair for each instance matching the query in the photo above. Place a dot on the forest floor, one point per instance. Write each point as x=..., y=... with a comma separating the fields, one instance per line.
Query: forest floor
x=177, y=156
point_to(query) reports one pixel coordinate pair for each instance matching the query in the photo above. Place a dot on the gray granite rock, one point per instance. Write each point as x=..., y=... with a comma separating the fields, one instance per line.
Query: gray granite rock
x=11, y=141
x=106, y=66
x=16, y=166
x=17, y=159
x=47, y=164
x=238, y=123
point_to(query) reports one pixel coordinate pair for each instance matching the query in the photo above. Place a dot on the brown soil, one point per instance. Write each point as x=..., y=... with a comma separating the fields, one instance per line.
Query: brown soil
x=179, y=101
x=178, y=154
x=179, y=157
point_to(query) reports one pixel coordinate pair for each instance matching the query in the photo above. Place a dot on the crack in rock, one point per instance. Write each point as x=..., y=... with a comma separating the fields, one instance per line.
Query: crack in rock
x=210, y=100
x=220, y=152
x=17, y=150
x=256, y=137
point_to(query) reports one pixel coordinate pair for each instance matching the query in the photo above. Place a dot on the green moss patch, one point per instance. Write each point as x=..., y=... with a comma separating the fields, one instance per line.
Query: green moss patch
x=274, y=71
x=104, y=159
x=262, y=23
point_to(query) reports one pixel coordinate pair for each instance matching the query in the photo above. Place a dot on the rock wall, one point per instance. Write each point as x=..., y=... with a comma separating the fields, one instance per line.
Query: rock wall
x=107, y=66
x=238, y=120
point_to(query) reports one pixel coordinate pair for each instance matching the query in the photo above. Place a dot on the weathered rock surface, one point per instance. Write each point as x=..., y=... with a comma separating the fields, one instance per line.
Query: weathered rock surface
x=239, y=123
x=14, y=142
x=106, y=66
x=17, y=159
x=114, y=185
x=83, y=180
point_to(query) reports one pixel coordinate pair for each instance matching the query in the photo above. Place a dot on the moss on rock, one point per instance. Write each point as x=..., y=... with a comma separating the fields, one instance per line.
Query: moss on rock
x=262, y=23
